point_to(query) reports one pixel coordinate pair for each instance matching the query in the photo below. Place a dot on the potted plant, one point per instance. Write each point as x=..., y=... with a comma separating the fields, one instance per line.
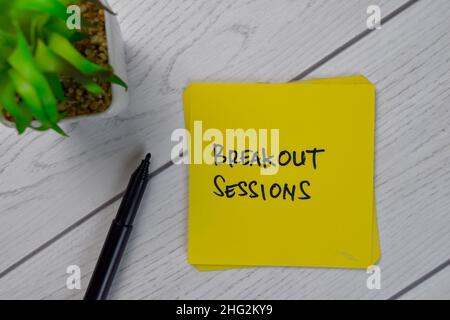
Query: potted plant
x=51, y=73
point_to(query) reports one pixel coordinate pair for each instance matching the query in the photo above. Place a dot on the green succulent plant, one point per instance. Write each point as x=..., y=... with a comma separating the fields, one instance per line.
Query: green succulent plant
x=36, y=50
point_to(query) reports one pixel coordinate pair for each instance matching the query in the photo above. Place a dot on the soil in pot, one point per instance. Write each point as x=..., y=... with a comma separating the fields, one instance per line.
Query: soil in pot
x=78, y=101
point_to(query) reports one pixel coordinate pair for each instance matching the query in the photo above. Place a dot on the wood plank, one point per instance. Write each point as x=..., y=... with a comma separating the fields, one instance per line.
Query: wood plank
x=435, y=288
x=408, y=61
x=412, y=139
x=47, y=182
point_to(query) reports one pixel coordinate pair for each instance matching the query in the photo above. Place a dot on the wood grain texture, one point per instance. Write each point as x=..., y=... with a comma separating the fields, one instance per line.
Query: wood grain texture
x=411, y=72
x=47, y=182
x=435, y=288
x=409, y=63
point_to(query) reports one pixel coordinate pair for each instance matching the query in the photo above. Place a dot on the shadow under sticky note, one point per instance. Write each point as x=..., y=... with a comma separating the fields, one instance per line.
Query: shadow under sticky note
x=335, y=227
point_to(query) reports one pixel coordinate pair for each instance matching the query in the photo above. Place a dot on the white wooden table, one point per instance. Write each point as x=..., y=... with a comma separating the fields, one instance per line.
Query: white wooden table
x=58, y=196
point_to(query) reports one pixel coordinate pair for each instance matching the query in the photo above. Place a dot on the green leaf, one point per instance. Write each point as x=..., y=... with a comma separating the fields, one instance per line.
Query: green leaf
x=22, y=61
x=63, y=48
x=46, y=60
x=59, y=130
x=51, y=7
x=59, y=26
x=49, y=62
x=36, y=24
x=22, y=117
x=29, y=96
x=7, y=44
x=55, y=84
x=7, y=39
x=87, y=82
x=78, y=36
x=55, y=127
x=92, y=87
x=115, y=79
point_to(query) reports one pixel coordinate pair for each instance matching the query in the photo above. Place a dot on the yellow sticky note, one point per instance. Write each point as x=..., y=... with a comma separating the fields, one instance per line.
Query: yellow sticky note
x=376, y=252
x=322, y=211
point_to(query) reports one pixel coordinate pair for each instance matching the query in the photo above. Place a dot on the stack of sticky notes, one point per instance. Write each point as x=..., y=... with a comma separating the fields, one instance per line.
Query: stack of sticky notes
x=282, y=174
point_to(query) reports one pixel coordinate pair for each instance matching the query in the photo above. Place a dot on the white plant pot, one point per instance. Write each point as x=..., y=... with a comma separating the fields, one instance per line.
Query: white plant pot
x=116, y=53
